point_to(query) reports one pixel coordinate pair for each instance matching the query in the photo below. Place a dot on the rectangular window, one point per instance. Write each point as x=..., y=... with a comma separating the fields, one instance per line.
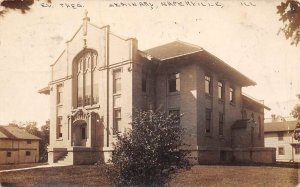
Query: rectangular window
x=144, y=82
x=208, y=85
x=28, y=153
x=280, y=150
x=231, y=94
x=280, y=136
x=116, y=120
x=259, y=126
x=207, y=121
x=220, y=90
x=221, y=123
x=117, y=81
x=28, y=141
x=8, y=154
x=174, y=82
x=83, y=132
x=59, y=94
x=297, y=150
x=59, y=127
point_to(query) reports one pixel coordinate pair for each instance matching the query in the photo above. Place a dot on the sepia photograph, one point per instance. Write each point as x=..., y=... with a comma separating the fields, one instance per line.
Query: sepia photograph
x=149, y=93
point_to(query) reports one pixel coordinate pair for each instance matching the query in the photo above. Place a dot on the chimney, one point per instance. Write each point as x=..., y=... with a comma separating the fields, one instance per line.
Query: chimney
x=273, y=117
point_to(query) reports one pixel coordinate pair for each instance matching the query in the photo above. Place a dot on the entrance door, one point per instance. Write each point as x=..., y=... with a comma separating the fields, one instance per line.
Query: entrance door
x=80, y=134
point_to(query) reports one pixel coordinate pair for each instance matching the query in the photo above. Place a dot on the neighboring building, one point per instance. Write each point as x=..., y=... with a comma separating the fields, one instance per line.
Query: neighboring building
x=18, y=146
x=100, y=78
x=278, y=134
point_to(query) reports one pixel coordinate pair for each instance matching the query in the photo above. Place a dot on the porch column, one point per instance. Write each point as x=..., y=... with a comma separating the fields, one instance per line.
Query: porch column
x=70, y=137
x=89, y=130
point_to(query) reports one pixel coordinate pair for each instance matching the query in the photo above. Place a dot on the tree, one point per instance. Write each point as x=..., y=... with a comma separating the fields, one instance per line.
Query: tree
x=289, y=12
x=149, y=152
x=296, y=114
x=45, y=132
x=22, y=5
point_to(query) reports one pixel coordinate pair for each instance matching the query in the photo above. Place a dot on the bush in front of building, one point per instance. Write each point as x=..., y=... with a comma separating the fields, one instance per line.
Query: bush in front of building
x=148, y=153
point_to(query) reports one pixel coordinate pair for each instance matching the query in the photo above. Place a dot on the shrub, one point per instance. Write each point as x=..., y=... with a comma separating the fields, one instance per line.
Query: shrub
x=147, y=154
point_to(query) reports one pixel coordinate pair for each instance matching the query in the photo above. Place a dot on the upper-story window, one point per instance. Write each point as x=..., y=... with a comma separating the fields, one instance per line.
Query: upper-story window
x=259, y=126
x=207, y=121
x=221, y=123
x=232, y=94
x=59, y=94
x=174, y=82
x=86, y=79
x=208, y=85
x=117, y=81
x=280, y=136
x=220, y=90
x=144, y=82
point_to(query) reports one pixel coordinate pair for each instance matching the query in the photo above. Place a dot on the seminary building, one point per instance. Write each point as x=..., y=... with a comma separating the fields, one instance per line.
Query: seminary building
x=101, y=78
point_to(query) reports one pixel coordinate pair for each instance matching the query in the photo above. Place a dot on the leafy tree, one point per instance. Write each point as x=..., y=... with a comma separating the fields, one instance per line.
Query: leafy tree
x=22, y=5
x=149, y=152
x=45, y=132
x=296, y=114
x=289, y=12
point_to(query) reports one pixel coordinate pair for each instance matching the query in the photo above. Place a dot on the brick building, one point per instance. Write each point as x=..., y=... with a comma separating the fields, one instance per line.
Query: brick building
x=100, y=78
x=18, y=146
x=278, y=134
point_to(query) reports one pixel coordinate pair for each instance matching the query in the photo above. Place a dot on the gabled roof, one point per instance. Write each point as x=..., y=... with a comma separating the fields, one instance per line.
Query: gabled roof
x=178, y=49
x=45, y=90
x=173, y=50
x=280, y=126
x=10, y=132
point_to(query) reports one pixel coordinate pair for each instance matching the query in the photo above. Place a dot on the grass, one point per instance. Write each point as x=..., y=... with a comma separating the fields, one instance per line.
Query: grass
x=201, y=175
x=17, y=166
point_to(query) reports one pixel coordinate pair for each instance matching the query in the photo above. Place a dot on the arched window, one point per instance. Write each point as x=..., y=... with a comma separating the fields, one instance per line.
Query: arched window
x=86, y=79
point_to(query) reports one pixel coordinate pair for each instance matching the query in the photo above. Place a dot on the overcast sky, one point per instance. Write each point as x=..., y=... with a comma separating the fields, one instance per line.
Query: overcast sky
x=243, y=36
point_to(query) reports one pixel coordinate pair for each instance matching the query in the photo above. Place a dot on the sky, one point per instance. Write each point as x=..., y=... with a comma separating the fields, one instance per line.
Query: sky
x=245, y=37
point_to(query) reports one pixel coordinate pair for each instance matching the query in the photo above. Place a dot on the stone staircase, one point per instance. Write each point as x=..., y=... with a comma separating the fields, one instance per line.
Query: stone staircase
x=64, y=159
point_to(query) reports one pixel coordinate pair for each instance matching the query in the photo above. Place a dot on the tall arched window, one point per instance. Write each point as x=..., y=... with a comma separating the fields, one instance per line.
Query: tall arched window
x=86, y=79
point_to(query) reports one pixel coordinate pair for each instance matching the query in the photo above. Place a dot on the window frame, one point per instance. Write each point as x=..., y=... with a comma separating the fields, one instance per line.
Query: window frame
x=173, y=80
x=59, y=133
x=208, y=84
x=28, y=153
x=232, y=94
x=221, y=90
x=116, y=120
x=8, y=154
x=85, y=64
x=115, y=79
x=221, y=123
x=28, y=141
x=208, y=121
x=283, y=151
x=59, y=94
x=144, y=82
x=280, y=136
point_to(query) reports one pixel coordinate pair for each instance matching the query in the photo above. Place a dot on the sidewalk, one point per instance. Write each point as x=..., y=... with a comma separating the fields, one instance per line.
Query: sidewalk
x=35, y=167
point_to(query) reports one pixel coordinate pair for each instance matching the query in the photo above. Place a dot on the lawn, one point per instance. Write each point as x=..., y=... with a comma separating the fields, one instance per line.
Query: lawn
x=198, y=176
x=17, y=166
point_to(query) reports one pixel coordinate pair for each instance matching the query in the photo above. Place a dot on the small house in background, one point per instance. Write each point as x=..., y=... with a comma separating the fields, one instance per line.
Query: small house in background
x=18, y=146
x=278, y=134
